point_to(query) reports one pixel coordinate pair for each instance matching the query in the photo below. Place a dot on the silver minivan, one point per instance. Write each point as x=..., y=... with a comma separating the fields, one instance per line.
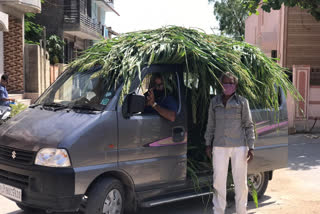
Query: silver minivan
x=82, y=147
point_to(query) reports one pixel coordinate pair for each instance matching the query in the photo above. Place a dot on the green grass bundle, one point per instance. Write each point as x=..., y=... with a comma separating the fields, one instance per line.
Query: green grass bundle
x=205, y=57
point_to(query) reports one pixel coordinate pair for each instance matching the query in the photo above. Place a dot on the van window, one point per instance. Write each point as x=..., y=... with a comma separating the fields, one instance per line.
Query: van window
x=315, y=77
x=168, y=90
x=80, y=88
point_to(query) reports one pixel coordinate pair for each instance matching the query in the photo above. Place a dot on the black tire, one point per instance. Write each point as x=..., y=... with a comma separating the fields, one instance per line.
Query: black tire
x=261, y=186
x=98, y=193
x=29, y=210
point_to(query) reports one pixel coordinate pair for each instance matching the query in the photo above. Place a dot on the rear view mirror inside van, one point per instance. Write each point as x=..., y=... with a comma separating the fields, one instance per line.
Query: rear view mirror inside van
x=133, y=104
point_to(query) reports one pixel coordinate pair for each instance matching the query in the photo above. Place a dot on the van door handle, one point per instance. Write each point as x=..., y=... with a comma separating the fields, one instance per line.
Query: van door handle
x=178, y=134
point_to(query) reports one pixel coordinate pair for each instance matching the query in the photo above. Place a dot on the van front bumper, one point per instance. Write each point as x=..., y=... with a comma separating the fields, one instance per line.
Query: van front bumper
x=46, y=188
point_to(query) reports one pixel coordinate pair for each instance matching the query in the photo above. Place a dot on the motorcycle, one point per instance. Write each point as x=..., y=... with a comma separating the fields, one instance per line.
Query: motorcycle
x=5, y=112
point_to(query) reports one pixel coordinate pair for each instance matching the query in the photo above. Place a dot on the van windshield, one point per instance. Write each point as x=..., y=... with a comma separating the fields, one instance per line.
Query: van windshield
x=80, y=90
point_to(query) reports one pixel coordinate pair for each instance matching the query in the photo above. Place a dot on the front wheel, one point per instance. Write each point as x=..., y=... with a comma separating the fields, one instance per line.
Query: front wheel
x=260, y=183
x=105, y=197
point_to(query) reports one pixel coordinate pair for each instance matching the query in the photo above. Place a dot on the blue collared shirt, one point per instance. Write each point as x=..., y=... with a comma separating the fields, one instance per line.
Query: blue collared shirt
x=4, y=95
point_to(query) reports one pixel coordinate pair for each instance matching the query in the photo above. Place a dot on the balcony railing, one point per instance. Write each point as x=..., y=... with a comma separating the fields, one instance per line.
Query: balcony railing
x=72, y=15
x=89, y=22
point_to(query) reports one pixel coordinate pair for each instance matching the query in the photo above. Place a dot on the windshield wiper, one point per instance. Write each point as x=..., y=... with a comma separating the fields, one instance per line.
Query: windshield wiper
x=34, y=105
x=85, y=107
x=55, y=106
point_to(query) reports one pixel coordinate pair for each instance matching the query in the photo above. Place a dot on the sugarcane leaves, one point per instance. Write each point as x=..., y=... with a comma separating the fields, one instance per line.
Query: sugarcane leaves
x=151, y=59
x=204, y=56
x=192, y=172
x=253, y=193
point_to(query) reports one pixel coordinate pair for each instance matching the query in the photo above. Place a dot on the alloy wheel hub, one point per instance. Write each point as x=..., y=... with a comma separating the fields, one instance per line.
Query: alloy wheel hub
x=113, y=202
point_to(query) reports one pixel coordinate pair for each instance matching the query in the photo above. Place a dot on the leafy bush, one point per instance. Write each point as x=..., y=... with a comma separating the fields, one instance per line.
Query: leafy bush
x=55, y=48
x=17, y=108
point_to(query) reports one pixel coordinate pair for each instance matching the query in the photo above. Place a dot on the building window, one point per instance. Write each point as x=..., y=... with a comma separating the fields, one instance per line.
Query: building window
x=315, y=76
x=89, y=9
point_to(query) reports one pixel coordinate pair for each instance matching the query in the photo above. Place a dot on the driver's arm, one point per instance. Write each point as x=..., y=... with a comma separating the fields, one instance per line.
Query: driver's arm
x=166, y=113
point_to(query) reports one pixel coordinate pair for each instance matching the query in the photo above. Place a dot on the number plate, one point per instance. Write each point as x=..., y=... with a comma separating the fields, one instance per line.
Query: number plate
x=11, y=192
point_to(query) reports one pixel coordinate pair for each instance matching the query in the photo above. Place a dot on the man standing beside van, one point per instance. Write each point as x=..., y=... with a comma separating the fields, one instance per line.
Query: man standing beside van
x=229, y=134
x=4, y=99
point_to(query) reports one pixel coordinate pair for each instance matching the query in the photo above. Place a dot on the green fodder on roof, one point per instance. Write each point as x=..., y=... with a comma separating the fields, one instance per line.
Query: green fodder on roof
x=205, y=57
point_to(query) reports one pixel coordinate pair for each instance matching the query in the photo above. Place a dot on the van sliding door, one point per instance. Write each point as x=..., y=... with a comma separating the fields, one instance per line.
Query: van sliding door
x=271, y=146
x=152, y=149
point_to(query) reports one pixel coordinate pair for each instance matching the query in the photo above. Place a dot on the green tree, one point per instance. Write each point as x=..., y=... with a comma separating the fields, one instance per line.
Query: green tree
x=33, y=32
x=55, y=49
x=231, y=15
x=312, y=6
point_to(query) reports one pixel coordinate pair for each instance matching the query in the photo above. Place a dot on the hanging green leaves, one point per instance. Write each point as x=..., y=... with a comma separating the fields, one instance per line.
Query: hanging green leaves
x=205, y=58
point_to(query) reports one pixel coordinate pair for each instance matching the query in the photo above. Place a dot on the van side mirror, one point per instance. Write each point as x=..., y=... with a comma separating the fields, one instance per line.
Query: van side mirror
x=133, y=104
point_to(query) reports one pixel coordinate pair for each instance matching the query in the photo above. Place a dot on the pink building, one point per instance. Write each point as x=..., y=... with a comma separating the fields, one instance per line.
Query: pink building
x=292, y=35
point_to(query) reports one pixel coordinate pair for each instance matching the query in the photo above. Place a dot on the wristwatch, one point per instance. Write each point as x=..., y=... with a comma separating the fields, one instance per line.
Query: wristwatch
x=154, y=104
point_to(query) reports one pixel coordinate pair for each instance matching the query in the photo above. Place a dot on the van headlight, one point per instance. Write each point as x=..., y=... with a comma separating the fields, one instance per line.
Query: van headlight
x=53, y=158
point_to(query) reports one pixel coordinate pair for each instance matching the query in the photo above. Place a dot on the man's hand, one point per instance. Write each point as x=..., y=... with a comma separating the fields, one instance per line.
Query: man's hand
x=8, y=99
x=250, y=155
x=209, y=152
x=150, y=98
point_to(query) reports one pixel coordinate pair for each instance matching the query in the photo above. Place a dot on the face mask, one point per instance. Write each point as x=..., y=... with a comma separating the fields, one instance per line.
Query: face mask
x=229, y=89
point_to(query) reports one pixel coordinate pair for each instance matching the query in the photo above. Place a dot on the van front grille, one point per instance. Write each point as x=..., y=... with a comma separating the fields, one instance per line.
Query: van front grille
x=13, y=178
x=16, y=155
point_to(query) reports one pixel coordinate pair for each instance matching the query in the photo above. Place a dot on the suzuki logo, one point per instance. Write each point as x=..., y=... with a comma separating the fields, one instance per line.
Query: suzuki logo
x=14, y=155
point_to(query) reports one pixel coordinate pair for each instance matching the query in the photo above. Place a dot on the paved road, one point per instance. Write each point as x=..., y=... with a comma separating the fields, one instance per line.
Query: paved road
x=294, y=190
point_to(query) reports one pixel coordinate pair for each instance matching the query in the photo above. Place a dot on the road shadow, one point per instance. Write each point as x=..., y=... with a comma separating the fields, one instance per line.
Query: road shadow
x=192, y=206
x=251, y=208
x=303, y=152
x=263, y=201
x=202, y=205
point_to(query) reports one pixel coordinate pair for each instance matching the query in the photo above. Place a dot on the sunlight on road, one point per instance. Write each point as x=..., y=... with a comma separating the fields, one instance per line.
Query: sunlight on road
x=8, y=207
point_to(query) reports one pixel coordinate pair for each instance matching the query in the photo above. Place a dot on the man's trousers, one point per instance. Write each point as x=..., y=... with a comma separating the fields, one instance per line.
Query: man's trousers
x=220, y=159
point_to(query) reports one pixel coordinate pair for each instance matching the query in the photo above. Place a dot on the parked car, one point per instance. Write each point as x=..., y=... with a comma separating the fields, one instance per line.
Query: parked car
x=81, y=147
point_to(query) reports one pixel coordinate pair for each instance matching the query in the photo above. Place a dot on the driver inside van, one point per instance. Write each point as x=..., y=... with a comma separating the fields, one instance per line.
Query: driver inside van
x=157, y=101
